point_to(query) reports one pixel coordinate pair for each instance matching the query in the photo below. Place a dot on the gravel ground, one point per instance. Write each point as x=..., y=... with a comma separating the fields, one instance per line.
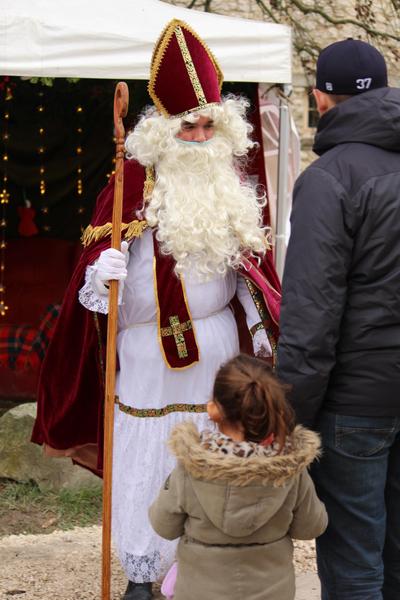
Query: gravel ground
x=65, y=565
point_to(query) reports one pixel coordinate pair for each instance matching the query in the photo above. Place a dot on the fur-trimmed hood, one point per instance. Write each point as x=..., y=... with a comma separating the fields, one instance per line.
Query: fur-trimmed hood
x=204, y=464
x=240, y=495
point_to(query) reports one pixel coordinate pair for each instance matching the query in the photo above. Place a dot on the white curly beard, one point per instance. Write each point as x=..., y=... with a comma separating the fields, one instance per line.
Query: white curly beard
x=206, y=217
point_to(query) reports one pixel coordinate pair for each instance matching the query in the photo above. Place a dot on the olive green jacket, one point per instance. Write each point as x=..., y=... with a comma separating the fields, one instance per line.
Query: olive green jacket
x=236, y=517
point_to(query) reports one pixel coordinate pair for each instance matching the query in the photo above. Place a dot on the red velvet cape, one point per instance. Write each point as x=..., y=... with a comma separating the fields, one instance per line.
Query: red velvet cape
x=71, y=385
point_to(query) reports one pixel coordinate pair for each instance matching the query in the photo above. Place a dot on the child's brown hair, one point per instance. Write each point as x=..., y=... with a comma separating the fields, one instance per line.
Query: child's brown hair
x=249, y=393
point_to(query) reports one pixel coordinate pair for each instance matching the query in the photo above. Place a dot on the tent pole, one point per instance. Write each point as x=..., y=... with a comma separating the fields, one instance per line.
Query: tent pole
x=282, y=192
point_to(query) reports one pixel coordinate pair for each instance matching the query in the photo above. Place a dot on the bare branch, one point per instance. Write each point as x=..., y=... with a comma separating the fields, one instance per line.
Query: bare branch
x=306, y=10
x=266, y=10
x=307, y=19
x=206, y=5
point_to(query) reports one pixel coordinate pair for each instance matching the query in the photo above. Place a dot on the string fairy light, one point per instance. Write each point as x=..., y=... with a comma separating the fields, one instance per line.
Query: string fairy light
x=112, y=172
x=113, y=161
x=4, y=196
x=79, y=156
x=41, y=149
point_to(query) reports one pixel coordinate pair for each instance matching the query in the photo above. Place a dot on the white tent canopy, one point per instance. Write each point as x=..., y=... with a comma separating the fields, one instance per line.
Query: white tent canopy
x=114, y=40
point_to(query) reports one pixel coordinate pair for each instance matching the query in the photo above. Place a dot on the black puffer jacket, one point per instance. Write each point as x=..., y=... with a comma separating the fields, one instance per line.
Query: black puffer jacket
x=340, y=322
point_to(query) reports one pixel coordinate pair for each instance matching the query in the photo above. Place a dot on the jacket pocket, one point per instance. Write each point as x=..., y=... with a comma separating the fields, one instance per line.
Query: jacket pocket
x=356, y=437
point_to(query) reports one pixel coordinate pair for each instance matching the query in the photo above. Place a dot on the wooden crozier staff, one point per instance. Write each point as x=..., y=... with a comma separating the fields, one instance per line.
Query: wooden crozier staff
x=121, y=100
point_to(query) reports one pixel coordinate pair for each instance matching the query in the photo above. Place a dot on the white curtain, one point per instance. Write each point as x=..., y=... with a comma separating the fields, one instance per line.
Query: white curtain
x=269, y=98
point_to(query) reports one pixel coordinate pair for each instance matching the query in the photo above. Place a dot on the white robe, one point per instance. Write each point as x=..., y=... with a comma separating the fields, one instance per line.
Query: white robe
x=141, y=460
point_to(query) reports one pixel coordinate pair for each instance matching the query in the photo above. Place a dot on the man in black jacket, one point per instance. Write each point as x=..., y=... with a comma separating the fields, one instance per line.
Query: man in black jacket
x=340, y=322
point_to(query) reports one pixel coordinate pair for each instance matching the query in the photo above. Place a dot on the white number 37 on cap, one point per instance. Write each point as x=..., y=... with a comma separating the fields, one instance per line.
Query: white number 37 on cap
x=363, y=84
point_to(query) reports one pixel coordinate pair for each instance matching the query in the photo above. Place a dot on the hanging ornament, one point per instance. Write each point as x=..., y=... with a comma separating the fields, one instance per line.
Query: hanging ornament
x=27, y=226
x=6, y=86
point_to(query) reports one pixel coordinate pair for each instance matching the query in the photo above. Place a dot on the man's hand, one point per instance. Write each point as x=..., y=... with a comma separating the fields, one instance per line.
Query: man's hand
x=111, y=264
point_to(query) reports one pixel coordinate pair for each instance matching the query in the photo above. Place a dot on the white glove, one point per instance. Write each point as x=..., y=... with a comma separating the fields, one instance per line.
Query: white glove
x=261, y=344
x=111, y=264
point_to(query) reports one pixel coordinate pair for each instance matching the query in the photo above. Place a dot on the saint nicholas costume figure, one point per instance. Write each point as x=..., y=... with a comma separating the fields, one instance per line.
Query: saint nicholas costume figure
x=195, y=244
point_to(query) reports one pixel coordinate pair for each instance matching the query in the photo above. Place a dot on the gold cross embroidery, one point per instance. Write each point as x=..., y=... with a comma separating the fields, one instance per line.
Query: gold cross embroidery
x=177, y=329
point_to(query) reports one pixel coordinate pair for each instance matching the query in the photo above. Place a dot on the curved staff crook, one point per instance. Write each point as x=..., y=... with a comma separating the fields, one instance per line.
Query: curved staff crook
x=121, y=100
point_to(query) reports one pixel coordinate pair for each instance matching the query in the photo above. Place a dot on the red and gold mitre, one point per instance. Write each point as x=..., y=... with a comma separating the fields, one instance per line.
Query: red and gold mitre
x=184, y=75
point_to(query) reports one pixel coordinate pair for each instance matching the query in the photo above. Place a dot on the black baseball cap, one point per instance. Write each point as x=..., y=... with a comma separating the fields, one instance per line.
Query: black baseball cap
x=350, y=67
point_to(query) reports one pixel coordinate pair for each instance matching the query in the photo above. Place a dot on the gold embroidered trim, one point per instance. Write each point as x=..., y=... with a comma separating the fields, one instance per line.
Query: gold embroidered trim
x=166, y=331
x=191, y=110
x=159, y=335
x=257, y=327
x=190, y=68
x=267, y=283
x=134, y=229
x=160, y=412
x=188, y=312
x=159, y=51
x=94, y=234
x=177, y=329
x=149, y=183
x=257, y=299
x=261, y=305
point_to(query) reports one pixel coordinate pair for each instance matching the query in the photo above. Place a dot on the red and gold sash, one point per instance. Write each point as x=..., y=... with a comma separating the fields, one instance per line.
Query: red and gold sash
x=176, y=333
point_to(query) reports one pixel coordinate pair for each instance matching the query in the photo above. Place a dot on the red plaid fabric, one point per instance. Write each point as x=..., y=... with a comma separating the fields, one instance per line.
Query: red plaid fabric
x=45, y=331
x=15, y=341
x=23, y=346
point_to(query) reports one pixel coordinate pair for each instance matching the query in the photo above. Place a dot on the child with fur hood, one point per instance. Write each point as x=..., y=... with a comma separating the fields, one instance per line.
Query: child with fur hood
x=241, y=493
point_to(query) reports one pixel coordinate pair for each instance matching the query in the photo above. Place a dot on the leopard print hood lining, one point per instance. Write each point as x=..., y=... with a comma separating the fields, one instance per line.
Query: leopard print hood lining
x=214, y=441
